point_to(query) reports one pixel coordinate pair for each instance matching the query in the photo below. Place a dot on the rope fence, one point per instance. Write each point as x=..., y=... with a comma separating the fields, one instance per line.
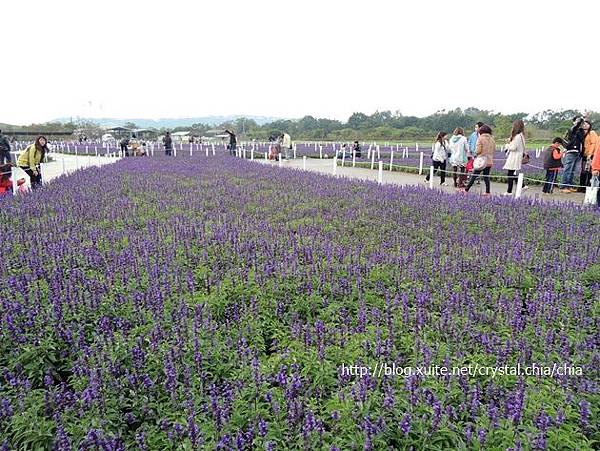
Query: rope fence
x=254, y=153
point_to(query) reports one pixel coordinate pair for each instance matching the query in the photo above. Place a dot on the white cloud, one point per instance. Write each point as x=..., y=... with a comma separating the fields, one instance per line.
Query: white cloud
x=276, y=58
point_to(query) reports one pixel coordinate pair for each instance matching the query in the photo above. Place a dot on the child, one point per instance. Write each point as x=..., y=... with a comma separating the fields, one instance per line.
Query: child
x=5, y=180
x=552, y=164
x=21, y=186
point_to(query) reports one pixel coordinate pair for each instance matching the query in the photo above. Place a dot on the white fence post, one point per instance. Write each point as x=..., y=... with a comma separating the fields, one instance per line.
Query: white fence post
x=14, y=178
x=519, y=186
x=421, y=164
x=431, y=177
x=353, y=158
x=304, y=162
x=373, y=159
x=320, y=151
x=252, y=154
x=391, y=160
x=335, y=165
x=380, y=174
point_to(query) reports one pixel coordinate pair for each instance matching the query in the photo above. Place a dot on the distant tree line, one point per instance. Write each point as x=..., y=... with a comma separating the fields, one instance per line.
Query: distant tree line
x=381, y=125
x=395, y=126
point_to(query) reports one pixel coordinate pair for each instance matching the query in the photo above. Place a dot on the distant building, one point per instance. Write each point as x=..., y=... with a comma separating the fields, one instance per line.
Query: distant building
x=181, y=137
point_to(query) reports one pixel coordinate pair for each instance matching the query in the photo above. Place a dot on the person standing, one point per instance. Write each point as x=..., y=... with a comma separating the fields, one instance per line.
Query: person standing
x=486, y=146
x=356, y=149
x=596, y=172
x=515, y=149
x=473, y=137
x=4, y=149
x=124, y=147
x=168, y=143
x=552, y=164
x=232, y=146
x=286, y=143
x=590, y=139
x=572, y=154
x=31, y=158
x=439, y=156
x=459, y=152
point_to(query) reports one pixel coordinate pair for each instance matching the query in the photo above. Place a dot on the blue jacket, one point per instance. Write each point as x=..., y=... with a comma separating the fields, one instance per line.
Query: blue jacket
x=473, y=142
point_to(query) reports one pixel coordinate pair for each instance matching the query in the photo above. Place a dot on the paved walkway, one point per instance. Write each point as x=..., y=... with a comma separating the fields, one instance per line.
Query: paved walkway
x=325, y=166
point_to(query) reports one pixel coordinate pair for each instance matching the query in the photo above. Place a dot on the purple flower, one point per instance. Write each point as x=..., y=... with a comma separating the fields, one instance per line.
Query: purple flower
x=405, y=424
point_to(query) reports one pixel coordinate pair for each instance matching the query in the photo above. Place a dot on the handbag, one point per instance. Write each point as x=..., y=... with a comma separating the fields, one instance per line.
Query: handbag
x=479, y=163
x=591, y=192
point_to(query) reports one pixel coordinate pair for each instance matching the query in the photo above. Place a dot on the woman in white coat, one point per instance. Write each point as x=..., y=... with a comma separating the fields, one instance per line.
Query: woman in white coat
x=439, y=155
x=515, y=149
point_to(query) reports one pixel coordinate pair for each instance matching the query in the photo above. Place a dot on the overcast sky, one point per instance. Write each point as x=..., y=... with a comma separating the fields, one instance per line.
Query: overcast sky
x=326, y=58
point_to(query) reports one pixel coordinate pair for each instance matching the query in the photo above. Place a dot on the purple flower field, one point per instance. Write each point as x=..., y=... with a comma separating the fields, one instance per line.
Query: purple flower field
x=215, y=303
x=534, y=170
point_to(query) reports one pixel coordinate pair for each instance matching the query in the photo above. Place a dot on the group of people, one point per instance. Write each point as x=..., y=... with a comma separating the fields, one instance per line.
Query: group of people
x=138, y=148
x=475, y=156
x=29, y=161
x=355, y=151
x=278, y=145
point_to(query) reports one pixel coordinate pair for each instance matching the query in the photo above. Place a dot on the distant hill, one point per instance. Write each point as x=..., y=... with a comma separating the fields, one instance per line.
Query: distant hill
x=171, y=122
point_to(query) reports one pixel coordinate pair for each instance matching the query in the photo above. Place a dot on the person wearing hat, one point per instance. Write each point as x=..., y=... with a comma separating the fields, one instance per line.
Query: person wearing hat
x=31, y=158
x=590, y=139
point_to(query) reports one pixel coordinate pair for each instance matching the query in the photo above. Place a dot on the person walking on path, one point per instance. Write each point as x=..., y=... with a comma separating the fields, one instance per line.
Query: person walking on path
x=459, y=152
x=473, y=137
x=439, y=156
x=168, y=143
x=486, y=146
x=515, y=150
x=31, y=158
x=572, y=154
x=232, y=146
x=552, y=164
x=4, y=149
x=590, y=139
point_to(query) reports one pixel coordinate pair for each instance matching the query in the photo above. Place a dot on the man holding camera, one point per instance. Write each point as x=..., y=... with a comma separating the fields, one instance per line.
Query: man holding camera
x=572, y=155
